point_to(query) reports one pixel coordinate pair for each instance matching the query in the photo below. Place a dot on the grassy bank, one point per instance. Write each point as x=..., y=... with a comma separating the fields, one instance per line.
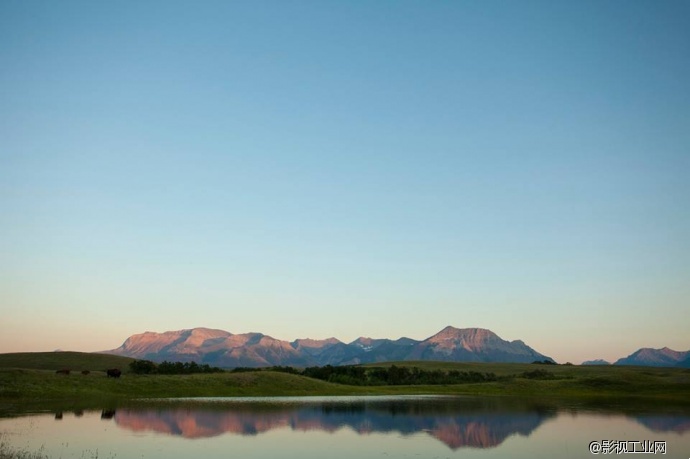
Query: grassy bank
x=8, y=452
x=575, y=380
x=43, y=388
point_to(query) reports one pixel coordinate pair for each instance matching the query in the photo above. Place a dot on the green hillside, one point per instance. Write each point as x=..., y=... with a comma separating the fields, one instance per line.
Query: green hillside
x=29, y=381
x=561, y=371
x=75, y=361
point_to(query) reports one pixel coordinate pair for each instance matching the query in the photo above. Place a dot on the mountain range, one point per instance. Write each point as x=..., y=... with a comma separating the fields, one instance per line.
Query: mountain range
x=648, y=357
x=596, y=362
x=225, y=349
x=663, y=357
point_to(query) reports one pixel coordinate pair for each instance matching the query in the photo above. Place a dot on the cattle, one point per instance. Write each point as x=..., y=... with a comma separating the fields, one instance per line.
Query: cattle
x=113, y=373
x=85, y=372
x=107, y=414
x=64, y=371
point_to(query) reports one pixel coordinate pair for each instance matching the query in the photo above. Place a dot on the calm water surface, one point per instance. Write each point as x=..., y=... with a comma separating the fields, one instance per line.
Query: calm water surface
x=345, y=427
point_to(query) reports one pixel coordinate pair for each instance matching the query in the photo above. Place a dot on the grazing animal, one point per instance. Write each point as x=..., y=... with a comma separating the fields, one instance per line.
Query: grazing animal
x=107, y=414
x=64, y=371
x=85, y=372
x=113, y=373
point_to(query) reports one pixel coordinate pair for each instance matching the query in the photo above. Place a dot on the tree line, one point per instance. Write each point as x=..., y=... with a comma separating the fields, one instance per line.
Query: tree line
x=146, y=367
x=388, y=376
x=353, y=375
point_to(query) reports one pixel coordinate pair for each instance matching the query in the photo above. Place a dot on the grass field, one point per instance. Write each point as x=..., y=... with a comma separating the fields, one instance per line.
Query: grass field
x=29, y=381
x=75, y=361
x=661, y=385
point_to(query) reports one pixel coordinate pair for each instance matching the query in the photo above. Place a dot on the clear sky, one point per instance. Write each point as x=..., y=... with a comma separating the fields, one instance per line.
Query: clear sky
x=346, y=168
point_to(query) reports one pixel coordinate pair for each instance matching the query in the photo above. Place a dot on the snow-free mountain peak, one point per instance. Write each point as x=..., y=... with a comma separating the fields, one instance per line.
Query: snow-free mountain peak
x=222, y=348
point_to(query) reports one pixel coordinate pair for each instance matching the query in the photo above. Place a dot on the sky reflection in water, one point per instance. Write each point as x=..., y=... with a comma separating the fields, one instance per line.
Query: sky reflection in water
x=339, y=427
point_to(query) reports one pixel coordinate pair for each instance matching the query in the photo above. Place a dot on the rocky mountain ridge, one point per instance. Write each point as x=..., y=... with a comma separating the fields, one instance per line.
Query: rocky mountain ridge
x=663, y=357
x=224, y=349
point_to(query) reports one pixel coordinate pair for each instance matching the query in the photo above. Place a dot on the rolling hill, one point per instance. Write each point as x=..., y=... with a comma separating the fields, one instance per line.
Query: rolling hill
x=76, y=361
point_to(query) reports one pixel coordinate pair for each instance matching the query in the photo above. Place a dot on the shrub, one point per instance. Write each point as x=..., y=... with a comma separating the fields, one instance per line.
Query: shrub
x=538, y=374
x=142, y=367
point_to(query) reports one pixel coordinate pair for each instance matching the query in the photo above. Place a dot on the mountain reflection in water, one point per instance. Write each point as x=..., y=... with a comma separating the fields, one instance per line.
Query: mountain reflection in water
x=455, y=424
x=677, y=424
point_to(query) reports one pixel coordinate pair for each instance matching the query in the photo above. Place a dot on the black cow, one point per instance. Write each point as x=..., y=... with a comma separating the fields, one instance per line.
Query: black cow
x=62, y=372
x=113, y=373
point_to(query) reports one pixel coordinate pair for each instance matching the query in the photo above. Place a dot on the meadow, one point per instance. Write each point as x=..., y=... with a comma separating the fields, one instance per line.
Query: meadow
x=29, y=382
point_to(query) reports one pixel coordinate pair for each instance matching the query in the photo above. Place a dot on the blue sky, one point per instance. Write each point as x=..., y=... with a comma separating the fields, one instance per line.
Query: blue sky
x=316, y=169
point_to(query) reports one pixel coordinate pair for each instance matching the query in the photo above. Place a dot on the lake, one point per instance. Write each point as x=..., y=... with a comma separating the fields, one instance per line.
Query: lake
x=346, y=427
